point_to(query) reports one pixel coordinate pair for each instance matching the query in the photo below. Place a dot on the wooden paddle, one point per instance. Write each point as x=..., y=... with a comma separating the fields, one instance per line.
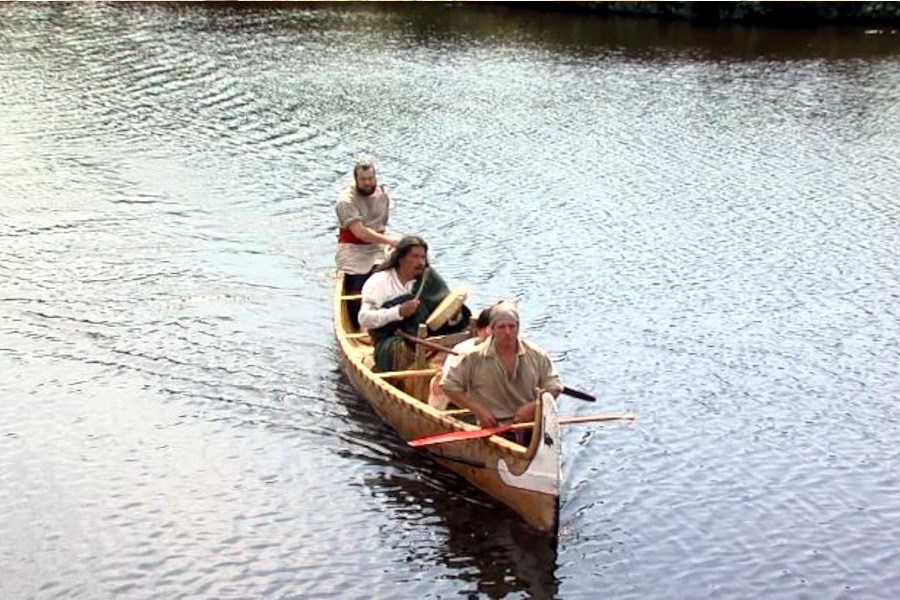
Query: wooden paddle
x=474, y=434
x=425, y=273
x=426, y=343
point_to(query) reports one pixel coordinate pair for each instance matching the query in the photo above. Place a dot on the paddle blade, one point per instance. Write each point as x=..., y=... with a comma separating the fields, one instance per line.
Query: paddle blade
x=458, y=436
x=578, y=394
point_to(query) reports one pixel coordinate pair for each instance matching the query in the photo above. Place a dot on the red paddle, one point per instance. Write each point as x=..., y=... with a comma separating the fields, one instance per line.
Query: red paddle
x=474, y=434
x=458, y=436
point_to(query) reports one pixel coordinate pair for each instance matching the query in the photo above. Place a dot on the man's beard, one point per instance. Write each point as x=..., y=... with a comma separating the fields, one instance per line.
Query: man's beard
x=366, y=191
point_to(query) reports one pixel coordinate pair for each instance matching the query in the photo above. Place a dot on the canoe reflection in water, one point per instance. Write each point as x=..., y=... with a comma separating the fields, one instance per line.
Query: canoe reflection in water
x=478, y=539
x=486, y=544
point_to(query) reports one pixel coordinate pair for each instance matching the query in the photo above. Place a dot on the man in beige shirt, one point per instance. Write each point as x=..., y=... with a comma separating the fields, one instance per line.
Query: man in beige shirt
x=362, y=211
x=499, y=379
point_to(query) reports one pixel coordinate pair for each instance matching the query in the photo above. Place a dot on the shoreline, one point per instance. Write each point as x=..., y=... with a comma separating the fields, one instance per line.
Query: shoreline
x=743, y=12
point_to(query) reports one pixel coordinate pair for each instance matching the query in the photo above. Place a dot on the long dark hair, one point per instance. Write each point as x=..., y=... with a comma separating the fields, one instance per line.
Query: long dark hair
x=404, y=247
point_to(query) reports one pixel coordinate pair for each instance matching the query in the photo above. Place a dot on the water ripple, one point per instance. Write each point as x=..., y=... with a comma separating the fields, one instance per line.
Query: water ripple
x=699, y=226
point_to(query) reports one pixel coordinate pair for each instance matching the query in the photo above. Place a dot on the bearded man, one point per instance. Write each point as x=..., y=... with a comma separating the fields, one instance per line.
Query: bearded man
x=362, y=212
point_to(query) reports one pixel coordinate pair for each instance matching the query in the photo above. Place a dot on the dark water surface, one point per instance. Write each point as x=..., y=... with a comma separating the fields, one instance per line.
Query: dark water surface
x=703, y=226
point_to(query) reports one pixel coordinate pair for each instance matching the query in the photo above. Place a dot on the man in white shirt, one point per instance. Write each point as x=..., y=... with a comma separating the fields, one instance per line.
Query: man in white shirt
x=401, y=294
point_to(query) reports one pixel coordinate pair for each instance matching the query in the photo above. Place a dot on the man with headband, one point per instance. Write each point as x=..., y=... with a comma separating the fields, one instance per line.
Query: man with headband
x=498, y=380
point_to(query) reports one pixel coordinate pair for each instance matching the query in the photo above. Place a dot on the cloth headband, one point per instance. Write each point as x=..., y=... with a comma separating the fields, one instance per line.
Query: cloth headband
x=504, y=311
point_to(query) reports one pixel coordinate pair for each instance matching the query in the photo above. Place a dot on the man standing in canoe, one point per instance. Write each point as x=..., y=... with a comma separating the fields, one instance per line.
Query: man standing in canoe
x=498, y=380
x=362, y=211
x=400, y=295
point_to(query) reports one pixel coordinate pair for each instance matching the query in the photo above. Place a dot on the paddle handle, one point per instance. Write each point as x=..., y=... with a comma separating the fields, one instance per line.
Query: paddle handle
x=629, y=416
x=426, y=343
x=425, y=274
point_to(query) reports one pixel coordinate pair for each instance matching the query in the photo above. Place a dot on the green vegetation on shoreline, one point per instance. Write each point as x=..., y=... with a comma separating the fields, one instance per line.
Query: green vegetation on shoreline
x=782, y=14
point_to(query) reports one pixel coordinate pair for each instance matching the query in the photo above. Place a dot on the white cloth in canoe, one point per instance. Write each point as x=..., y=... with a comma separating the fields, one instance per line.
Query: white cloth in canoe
x=436, y=397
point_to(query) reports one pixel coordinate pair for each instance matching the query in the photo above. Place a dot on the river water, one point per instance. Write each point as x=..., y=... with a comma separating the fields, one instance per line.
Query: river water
x=701, y=226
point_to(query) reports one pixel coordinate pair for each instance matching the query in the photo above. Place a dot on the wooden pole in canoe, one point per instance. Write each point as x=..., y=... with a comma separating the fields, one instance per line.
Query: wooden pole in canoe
x=426, y=343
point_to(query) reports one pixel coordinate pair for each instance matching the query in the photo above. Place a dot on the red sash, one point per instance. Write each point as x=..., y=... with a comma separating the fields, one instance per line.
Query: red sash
x=345, y=236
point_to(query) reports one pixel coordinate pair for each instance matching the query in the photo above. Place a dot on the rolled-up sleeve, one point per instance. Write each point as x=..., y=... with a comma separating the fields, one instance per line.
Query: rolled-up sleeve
x=346, y=210
x=374, y=295
x=373, y=317
x=457, y=376
x=549, y=378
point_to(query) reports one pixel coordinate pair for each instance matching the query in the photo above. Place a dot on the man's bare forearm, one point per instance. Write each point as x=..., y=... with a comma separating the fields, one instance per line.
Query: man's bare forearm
x=464, y=400
x=369, y=235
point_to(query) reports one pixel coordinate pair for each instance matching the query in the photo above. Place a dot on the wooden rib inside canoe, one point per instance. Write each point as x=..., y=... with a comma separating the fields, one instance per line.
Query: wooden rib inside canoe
x=403, y=374
x=455, y=411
